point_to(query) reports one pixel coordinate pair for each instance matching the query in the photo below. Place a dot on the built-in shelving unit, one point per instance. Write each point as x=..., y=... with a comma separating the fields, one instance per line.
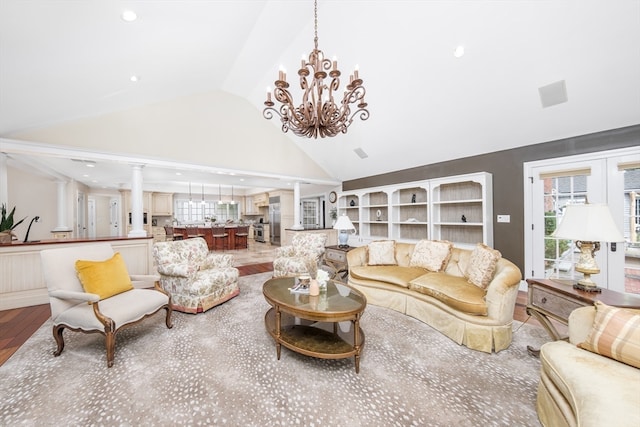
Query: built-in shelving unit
x=429, y=209
x=410, y=213
x=462, y=209
x=375, y=215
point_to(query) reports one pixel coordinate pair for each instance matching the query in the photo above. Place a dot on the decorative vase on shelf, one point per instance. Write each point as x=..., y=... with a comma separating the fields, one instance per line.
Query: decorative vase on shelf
x=352, y=202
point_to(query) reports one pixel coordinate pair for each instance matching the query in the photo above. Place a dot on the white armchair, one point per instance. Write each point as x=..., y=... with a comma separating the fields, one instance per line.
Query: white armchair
x=75, y=309
x=196, y=278
x=302, y=256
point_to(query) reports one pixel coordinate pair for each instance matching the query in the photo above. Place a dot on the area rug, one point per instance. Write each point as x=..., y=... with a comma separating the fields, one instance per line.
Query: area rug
x=220, y=368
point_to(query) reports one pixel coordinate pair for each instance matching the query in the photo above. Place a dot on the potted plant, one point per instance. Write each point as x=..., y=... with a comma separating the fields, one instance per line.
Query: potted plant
x=7, y=225
x=333, y=213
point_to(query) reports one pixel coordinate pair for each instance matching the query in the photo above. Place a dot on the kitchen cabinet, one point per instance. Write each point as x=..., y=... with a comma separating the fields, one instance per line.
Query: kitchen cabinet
x=162, y=204
x=260, y=200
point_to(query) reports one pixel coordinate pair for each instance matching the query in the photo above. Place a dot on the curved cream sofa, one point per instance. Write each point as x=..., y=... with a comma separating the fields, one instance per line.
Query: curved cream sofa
x=479, y=319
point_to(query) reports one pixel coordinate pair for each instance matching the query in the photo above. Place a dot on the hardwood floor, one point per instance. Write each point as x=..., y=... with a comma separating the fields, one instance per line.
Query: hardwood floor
x=18, y=324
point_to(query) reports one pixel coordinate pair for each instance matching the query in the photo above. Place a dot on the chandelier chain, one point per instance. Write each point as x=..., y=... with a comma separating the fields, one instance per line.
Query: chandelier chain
x=315, y=23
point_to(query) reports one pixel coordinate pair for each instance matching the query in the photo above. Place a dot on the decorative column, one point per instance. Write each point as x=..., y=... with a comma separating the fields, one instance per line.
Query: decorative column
x=137, y=227
x=297, y=224
x=62, y=230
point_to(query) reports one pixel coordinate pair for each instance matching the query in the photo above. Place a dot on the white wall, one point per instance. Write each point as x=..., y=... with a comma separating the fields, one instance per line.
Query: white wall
x=32, y=195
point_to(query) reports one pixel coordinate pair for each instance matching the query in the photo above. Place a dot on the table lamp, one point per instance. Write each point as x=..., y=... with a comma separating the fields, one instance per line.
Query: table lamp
x=344, y=226
x=588, y=225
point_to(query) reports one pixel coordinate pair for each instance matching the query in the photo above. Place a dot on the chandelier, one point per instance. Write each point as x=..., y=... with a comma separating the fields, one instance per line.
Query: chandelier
x=318, y=114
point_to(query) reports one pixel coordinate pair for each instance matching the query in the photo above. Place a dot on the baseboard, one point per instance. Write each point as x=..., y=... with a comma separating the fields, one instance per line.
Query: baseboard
x=24, y=299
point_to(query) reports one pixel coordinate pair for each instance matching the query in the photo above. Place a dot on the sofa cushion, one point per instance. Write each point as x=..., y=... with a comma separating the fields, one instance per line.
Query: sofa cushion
x=400, y=276
x=453, y=291
x=482, y=265
x=104, y=278
x=431, y=254
x=382, y=252
x=616, y=334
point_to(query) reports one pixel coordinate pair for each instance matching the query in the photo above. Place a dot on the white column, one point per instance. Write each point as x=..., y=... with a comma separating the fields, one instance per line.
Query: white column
x=137, y=227
x=4, y=185
x=297, y=223
x=61, y=220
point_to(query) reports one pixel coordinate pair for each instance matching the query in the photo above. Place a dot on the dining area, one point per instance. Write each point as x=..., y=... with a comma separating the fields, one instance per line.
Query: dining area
x=218, y=237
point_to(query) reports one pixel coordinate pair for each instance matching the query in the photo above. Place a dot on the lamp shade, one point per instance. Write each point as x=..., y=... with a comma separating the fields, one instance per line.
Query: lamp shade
x=590, y=222
x=343, y=223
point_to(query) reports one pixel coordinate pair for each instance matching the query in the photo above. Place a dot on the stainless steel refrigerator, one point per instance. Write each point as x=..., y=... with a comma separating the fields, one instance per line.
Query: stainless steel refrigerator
x=274, y=220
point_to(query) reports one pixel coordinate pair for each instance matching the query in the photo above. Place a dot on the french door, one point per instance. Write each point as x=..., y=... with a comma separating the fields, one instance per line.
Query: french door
x=611, y=177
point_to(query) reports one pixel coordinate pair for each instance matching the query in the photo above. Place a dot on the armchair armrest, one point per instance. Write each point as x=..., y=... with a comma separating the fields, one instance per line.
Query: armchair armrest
x=177, y=270
x=217, y=261
x=285, y=251
x=143, y=280
x=580, y=323
x=80, y=296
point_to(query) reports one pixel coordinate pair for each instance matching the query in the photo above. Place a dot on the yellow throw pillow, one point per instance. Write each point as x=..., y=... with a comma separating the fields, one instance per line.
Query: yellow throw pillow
x=482, y=265
x=615, y=334
x=104, y=278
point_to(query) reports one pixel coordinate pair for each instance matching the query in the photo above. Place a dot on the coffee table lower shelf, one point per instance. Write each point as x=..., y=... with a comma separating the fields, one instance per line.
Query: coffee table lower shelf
x=309, y=338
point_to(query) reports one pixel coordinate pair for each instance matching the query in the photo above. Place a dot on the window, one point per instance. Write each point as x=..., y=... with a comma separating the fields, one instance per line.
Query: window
x=186, y=212
x=560, y=255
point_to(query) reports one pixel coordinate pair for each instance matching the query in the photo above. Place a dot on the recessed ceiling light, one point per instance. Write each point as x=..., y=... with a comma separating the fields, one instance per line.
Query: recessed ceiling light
x=178, y=173
x=91, y=165
x=134, y=79
x=459, y=52
x=129, y=16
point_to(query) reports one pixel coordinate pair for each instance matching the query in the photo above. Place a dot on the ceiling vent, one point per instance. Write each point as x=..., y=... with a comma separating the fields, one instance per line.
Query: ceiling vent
x=360, y=152
x=553, y=94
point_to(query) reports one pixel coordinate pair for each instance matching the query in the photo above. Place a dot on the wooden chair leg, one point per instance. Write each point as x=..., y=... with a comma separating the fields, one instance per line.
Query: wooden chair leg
x=57, y=335
x=110, y=343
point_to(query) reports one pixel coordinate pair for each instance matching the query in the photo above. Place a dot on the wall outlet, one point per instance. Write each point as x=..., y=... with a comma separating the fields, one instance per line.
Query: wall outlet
x=504, y=218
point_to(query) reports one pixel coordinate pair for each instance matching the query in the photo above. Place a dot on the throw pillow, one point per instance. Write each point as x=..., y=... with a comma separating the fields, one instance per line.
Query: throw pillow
x=431, y=254
x=615, y=334
x=482, y=265
x=382, y=253
x=104, y=278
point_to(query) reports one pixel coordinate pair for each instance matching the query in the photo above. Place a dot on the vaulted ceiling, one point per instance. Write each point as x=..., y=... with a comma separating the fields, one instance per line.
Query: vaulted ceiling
x=65, y=62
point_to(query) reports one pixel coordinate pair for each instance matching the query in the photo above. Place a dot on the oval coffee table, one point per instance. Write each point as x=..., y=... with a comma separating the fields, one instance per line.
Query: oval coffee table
x=309, y=325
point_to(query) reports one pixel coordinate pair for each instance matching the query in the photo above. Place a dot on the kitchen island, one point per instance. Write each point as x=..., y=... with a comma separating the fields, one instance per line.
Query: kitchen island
x=21, y=280
x=207, y=233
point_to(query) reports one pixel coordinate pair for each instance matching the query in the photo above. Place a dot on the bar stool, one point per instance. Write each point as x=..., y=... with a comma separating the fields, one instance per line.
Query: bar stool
x=219, y=234
x=242, y=234
x=169, y=233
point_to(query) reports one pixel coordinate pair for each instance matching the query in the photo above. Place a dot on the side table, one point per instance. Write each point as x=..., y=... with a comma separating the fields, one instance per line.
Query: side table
x=336, y=258
x=556, y=298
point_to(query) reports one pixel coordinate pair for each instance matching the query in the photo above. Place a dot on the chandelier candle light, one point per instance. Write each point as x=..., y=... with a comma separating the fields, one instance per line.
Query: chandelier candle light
x=317, y=114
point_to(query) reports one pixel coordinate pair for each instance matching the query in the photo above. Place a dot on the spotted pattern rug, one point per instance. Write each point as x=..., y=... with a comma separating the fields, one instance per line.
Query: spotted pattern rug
x=220, y=368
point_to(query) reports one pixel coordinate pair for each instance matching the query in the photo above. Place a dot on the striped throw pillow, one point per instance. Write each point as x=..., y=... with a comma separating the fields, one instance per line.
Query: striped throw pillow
x=615, y=334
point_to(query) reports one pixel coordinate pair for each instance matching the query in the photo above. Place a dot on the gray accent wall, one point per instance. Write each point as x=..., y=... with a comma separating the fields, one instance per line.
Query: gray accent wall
x=508, y=182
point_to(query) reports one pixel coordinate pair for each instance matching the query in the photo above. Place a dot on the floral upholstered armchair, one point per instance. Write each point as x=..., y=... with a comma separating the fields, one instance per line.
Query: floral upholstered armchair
x=196, y=279
x=302, y=256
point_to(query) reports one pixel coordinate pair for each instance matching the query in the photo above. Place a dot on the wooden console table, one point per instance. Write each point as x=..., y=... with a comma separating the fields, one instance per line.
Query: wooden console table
x=556, y=299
